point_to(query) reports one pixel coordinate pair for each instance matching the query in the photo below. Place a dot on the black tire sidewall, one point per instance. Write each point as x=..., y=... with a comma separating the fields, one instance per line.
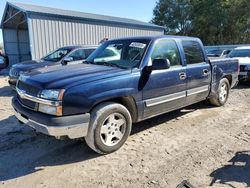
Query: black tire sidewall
x=115, y=108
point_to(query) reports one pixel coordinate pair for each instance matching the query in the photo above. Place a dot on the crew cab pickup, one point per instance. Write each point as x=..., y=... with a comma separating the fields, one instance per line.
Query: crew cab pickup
x=101, y=98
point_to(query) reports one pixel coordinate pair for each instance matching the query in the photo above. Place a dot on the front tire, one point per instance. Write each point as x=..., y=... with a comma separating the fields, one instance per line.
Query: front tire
x=221, y=96
x=110, y=126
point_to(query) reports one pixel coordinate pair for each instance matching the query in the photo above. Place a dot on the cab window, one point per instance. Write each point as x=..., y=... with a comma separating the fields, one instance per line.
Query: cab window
x=167, y=49
x=193, y=52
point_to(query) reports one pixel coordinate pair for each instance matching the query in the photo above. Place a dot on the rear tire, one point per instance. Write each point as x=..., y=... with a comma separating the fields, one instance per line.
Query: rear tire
x=110, y=126
x=221, y=96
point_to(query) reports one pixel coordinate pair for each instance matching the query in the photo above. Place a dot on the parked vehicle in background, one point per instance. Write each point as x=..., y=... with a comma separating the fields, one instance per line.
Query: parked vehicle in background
x=99, y=100
x=64, y=55
x=217, y=52
x=4, y=61
x=243, y=56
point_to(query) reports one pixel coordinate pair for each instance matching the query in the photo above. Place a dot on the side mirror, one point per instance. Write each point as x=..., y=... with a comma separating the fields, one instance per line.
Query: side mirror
x=160, y=64
x=66, y=60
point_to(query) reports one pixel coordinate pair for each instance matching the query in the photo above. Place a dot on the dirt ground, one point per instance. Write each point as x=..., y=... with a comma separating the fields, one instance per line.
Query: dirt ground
x=205, y=145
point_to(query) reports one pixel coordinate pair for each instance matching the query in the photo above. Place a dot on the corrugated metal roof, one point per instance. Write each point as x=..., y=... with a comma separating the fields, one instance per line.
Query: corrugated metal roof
x=28, y=8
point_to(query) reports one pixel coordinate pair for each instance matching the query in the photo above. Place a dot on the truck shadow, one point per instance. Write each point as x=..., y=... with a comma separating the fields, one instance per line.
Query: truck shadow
x=6, y=91
x=237, y=171
x=152, y=122
x=23, y=152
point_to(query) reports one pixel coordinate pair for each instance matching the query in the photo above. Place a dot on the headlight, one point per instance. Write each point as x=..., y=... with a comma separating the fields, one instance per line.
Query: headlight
x=55, y=95
x=52, y=110
x=52, y=95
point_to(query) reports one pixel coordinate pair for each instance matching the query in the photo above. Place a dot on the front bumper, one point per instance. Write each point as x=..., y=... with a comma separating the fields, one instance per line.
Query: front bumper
x=75, y=126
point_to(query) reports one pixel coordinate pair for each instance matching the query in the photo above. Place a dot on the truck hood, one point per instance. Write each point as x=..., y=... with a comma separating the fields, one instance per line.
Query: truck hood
x=63, y=77
x=29, y=65
x=243, y=60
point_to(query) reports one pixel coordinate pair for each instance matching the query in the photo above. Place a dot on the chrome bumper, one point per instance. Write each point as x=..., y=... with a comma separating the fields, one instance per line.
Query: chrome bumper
x=71, y=131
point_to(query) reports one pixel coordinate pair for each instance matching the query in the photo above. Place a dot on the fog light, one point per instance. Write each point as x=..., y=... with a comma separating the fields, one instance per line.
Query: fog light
x=52, y=110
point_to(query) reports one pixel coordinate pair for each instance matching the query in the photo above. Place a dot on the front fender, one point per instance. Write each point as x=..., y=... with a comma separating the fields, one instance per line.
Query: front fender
x=82, y=98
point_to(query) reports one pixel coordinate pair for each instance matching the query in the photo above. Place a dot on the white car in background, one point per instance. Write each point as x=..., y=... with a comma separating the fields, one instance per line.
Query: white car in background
x=243, y=55
x=217, y=53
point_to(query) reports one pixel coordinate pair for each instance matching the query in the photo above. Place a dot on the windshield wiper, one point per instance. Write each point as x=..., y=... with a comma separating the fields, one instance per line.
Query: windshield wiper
x=104, y=64
x=87, y=62
x=115, y=65
x=110, y=64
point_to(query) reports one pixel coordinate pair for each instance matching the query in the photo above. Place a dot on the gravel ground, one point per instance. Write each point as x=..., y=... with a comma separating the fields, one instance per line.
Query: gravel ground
x=205, y=145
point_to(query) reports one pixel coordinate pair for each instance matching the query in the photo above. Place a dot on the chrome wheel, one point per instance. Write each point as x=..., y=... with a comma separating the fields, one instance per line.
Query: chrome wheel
x=223, y=92
x=113, y=129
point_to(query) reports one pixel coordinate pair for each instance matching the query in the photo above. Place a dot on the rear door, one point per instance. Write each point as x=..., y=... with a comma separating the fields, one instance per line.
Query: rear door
x=198, y=71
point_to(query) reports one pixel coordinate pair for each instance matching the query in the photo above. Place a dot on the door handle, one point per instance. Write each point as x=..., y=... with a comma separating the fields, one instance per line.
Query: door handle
x=205, y=72
x=182, y=75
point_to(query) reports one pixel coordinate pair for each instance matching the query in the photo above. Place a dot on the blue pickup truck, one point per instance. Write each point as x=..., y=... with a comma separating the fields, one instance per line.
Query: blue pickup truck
x=101, y=98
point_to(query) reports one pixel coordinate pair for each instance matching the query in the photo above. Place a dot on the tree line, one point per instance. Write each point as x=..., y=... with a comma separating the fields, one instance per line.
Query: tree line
x=213, y=21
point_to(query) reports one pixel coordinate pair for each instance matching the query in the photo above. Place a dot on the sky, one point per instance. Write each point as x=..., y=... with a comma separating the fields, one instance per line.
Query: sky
x=136, y=9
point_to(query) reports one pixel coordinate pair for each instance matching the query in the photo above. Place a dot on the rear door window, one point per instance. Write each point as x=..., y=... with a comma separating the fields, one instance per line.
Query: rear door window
x=193, y=52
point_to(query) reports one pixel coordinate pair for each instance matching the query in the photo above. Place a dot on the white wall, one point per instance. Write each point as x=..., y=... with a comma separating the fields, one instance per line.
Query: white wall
x=50, y=33
x=16, y=45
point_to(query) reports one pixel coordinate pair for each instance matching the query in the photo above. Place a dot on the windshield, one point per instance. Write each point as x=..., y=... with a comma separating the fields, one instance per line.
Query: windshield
x=121, y=53
x=240, y=53
x=57, y=55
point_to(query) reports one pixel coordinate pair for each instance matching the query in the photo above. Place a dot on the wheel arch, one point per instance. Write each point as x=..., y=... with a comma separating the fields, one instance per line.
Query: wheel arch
x=229, y=78
x=127, y=101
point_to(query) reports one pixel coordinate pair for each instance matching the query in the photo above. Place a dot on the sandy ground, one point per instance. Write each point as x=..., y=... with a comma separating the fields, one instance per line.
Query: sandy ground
x=205, y=145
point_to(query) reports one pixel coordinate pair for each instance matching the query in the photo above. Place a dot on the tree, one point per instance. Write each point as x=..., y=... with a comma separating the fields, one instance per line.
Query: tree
x=174, y=15
x=220, y=21
x=214, y=21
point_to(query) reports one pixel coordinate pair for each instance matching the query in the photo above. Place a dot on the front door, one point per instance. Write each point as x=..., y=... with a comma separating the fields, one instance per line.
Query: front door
x=165, y=90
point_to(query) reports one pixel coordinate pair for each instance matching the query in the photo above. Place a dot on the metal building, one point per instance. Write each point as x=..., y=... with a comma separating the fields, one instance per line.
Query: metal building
x=30, y=31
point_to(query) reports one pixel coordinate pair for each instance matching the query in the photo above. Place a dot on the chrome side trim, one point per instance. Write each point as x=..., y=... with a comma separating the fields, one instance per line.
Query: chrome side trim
x=197, y=90
x=165, y=99
x=24, y=95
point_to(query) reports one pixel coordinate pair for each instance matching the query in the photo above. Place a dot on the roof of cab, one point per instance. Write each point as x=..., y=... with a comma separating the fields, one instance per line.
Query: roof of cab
x=158, y=37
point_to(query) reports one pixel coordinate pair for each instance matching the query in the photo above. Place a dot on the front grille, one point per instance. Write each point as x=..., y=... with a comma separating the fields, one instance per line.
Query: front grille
x=27, y=103
x=29, y=89
x=242, y=67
